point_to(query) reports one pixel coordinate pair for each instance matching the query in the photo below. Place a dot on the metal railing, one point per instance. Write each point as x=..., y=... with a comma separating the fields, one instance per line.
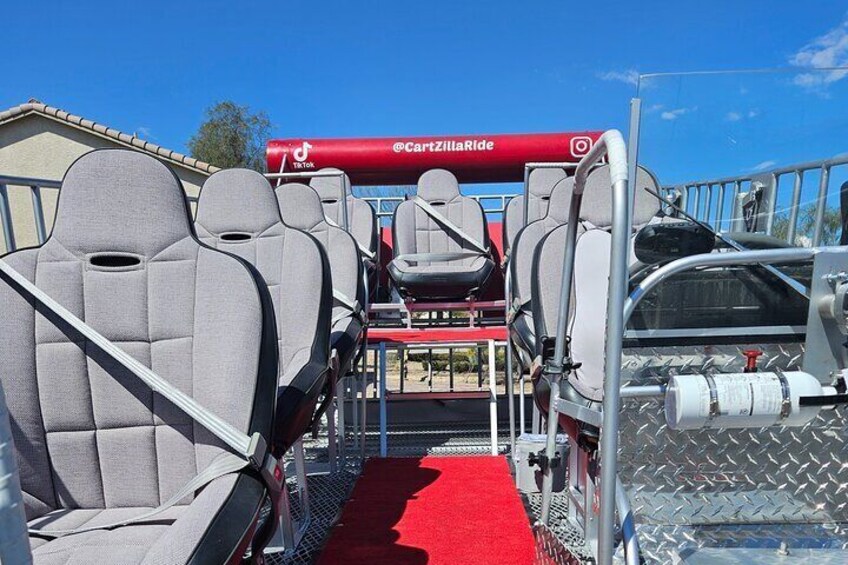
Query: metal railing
x=35, y=186
x=385, y=205
x=697, y=197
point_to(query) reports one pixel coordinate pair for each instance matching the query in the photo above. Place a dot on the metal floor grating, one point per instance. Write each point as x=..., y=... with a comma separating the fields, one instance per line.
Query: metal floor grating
x=560, y=542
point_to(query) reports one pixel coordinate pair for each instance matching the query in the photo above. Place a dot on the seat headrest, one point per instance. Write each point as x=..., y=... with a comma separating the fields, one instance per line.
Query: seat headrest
x=560, y=201
x=541, y=182
x=300, y=206
x=438, y=185
x=120, y=200
x=237, y=200
x=328, y=187
x=597, y=198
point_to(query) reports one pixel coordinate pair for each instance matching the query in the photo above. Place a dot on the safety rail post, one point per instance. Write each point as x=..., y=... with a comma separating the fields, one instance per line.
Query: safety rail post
x=6, y=218
x=775, y=180
x=38, y=213
x=821, y=205
x=796, y=202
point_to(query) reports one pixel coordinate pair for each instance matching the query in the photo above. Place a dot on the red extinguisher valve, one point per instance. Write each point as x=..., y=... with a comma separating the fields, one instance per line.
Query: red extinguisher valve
x=751, y=363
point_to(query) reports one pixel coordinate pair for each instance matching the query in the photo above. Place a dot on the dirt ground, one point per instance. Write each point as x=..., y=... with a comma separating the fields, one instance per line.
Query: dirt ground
x=418, y=378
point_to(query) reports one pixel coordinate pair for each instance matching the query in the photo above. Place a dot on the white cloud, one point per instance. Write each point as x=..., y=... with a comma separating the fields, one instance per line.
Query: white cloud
x=145, y=132
x=676, y=113
x=630, y=76
x=763, y=166
x=825, y=51
x=737, y=116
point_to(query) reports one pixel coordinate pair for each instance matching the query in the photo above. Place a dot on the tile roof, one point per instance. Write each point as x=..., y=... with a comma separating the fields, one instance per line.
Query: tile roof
x=35, y=106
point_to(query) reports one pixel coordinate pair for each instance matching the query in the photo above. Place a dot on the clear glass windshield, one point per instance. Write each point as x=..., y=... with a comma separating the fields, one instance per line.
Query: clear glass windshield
x=762, y=152
x=759, y=156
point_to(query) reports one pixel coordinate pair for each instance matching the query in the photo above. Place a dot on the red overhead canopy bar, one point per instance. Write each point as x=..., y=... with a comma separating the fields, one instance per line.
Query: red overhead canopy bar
x=401, y=160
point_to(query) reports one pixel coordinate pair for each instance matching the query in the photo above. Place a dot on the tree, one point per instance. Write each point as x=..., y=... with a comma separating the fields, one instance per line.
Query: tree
x=831, y=225
x=232, y=136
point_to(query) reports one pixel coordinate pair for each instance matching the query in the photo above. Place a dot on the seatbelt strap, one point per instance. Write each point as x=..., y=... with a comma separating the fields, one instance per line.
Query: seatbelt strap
x=350, y=304
x=368, y=254
x=251, y=450
x=433, y=213
x=514, y=308
x=436, y=257
x=225, y=464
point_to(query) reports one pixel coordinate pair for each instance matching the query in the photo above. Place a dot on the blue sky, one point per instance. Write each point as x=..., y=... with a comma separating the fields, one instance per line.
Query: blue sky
x=343, y=68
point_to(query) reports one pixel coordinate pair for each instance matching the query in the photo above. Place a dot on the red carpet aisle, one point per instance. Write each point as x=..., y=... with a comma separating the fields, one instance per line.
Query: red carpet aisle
x=434, y=510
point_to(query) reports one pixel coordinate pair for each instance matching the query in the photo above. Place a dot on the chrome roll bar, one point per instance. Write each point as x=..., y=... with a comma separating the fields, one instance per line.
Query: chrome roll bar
x=610, y=144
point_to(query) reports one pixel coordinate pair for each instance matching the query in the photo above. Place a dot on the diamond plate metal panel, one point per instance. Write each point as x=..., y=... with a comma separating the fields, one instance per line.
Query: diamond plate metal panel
x=704, y=488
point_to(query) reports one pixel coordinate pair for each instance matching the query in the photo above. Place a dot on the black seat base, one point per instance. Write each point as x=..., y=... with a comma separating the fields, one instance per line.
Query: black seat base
x=447, y=285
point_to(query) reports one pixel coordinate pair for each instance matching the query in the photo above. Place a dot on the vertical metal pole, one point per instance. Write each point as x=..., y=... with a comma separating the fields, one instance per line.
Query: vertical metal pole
x=772, y=204
x=479, y=367
x=300, y=474
x=341, y=393
x=343, y=202
x=450, y=367
x=383, y=431
x=708, y=209
x=332, y=453
x=354, y=405
x=376, y=374
x=550, y=447
x=493, y=398
x=796, y=203
x=402, y=363
x=612, y=369
x=38, y=213
x=821, y=204
x=697, y=213
x=6, y=218
x=633, y=155
x=522, y=416
x=526, y=214
x=430, y=370
x=510, y=394
x=737, y=189
x=720, y=211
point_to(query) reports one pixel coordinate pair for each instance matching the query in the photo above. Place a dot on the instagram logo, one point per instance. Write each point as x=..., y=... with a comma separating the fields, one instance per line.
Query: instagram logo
x=580, y=145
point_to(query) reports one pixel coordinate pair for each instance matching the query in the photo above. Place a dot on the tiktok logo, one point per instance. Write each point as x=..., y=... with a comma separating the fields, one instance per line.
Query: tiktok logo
x=302, y=152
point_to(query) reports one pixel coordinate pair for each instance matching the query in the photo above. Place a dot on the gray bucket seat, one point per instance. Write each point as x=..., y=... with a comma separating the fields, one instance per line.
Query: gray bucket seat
x=441, y=242
x=521, y=326
x=94, y=444
x=587, y=320
x=301, y=208
x=362, y=219
x=237, y=212
x=540, y=184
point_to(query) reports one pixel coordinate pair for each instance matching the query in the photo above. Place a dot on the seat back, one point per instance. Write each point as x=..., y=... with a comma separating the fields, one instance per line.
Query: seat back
x=587, y=319
x=300, y=207
x=524, y=246
x=362, y=219
x=123, y=258
x=540, y=185
x=415, y=231
x=237, y=212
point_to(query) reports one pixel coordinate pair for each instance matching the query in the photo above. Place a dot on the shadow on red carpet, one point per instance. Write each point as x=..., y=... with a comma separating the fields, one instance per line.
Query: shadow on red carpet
x=432, y=510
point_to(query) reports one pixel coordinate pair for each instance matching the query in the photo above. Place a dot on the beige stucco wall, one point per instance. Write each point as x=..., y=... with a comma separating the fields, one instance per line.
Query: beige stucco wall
x=40, y=147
